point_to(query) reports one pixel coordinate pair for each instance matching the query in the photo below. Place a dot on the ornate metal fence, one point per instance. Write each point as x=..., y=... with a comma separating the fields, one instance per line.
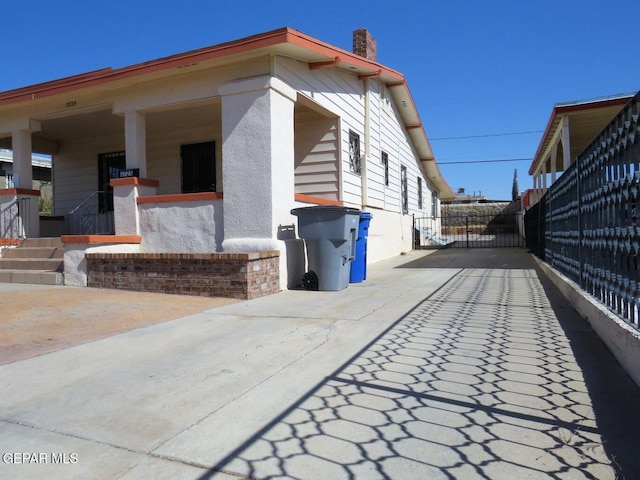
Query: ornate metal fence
x=587, y=224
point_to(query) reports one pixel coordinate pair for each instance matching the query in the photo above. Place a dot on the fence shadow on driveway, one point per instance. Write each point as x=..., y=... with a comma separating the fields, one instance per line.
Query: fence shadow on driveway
x=491, y=376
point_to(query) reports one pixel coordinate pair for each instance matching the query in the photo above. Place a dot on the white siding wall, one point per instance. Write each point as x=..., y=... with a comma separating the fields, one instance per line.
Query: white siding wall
x=163, y=152
x=340, y=93
x=343, y=94
x=376, y=189
x=76, y=169
x=317, y=167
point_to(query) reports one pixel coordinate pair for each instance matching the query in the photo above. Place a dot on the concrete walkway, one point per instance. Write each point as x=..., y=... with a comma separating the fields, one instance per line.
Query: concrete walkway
x=455, y=364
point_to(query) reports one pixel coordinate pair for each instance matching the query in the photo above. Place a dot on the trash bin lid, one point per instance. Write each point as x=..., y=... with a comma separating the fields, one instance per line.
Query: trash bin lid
x=325, y=209
x=366, y=215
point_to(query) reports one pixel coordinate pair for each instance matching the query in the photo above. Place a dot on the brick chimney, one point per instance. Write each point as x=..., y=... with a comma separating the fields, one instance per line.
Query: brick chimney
x=364, y=44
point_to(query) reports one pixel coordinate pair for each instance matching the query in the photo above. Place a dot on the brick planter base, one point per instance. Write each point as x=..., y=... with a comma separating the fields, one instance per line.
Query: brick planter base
x=232, y=275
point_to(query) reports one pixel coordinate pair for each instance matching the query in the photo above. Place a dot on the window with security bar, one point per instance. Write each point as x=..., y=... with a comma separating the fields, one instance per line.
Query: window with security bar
x=419, y=193
x=384, y=159
x=354, y=152
x=404, y=187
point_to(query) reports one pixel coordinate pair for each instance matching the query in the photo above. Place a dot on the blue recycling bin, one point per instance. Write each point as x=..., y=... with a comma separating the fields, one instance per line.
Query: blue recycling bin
x=359, y=263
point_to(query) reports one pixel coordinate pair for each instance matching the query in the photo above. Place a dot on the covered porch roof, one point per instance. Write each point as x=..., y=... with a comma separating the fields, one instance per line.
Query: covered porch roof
x=585, y=119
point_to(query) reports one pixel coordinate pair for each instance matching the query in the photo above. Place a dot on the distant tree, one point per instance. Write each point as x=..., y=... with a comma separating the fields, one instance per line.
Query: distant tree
x=515, y=190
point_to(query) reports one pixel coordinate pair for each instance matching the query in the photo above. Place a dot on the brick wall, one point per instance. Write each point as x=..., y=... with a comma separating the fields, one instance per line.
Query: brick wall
x=232, y=275
x=364, y=44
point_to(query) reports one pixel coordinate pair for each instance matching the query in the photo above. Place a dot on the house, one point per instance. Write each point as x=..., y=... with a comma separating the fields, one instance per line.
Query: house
x=205, y=153
x=570, y=129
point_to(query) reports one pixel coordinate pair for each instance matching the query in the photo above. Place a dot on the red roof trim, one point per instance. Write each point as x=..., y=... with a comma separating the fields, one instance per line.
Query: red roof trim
x=262, y=40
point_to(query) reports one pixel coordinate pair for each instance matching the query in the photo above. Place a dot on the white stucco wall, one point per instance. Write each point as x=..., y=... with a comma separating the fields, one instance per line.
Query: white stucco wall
x=380, y=243
x=181, y=227
x=75, y=262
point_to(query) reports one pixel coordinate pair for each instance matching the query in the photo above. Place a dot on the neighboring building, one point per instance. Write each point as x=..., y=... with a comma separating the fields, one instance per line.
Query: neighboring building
x=570, y=129
x=463, y=197
x=41, y=170
x=219, y=144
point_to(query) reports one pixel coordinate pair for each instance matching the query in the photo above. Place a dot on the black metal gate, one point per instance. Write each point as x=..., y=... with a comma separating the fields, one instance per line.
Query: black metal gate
x=470, y=231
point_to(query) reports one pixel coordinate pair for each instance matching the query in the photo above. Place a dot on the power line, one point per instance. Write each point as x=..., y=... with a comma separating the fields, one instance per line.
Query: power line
x=488, y=135
x=487, y=161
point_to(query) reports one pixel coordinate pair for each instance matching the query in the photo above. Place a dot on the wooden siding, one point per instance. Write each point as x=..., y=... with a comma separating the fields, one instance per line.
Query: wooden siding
x=76, y=169
x=317, y=160
x=337, y=92
x=343, y=94
x=76, y=166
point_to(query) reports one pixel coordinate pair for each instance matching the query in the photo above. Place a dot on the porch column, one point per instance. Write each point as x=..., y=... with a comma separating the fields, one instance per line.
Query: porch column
x=554, y=158
x=28, y=211
x=135, y=129
x=22, y=153
x=258, y=164
x=544, y=175
x=566, y=144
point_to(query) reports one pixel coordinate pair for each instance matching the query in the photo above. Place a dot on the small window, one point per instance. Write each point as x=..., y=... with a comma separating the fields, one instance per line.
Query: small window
x=385, y=164
x=354, y=152
x=419, y=193
x=9, y=180
x=404, y=187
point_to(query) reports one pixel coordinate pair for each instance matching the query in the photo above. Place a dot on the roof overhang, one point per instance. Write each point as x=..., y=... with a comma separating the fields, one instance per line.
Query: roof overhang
x=586, y=119
x=284, y=41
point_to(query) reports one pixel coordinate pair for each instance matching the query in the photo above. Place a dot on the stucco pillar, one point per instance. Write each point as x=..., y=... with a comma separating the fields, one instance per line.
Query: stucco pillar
x=126, y=191
x=136, y=141
x=258, y=164
x=22, y=153
x=27, y=215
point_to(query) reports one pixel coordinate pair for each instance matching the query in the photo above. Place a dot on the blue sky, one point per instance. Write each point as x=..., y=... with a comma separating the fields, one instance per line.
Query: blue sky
x=485, y=70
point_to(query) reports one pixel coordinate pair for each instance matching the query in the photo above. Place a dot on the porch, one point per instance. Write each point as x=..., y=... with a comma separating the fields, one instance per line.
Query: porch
x=152, y=177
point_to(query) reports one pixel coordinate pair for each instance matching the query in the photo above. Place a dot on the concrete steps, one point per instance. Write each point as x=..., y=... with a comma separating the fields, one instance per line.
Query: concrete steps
x=36, y=260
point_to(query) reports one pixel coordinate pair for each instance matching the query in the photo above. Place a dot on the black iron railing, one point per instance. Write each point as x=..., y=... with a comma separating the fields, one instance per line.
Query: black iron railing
x=94, y=216
x=587, y=225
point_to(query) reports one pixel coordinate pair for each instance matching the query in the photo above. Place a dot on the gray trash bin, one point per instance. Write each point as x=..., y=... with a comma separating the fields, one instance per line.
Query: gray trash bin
x=330, y=234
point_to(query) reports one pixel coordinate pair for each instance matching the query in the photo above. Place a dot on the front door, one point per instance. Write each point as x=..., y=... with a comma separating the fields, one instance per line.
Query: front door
x=108, y=166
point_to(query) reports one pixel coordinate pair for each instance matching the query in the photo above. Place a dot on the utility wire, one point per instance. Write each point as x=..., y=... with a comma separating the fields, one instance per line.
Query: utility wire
x=488, y=135
x=487, y=161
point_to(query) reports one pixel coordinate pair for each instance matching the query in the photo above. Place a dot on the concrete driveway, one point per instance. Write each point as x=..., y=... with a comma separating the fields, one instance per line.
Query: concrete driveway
x=456, y=364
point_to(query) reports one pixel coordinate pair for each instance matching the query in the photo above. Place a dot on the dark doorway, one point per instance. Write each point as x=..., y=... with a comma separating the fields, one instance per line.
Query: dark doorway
x=108, y=166
x=198, y=167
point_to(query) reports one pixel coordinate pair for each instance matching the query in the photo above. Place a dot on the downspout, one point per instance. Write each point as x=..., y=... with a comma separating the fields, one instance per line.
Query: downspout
x=367, y=143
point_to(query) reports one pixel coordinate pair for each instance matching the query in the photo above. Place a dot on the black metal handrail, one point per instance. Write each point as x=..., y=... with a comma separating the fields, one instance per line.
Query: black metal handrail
x=15, y=220
x=94, y=216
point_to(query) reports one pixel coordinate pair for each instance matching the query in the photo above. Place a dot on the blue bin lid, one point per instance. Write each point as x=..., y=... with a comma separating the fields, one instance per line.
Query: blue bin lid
x=366, y=216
